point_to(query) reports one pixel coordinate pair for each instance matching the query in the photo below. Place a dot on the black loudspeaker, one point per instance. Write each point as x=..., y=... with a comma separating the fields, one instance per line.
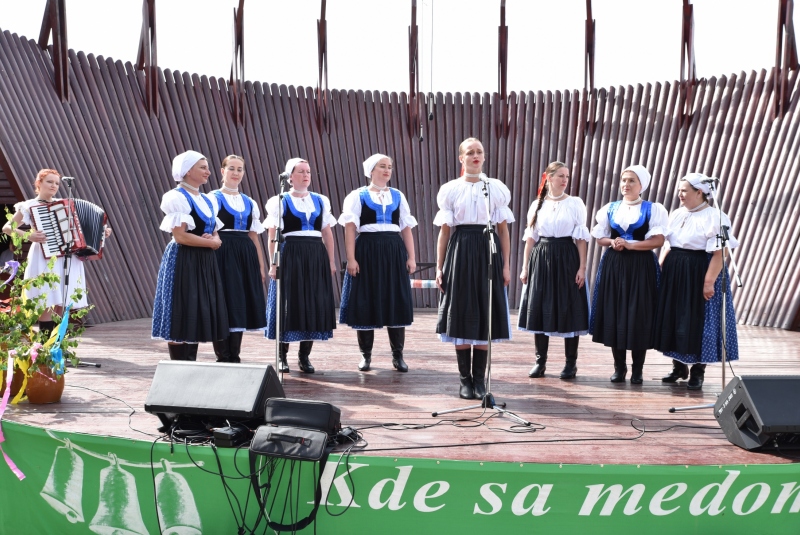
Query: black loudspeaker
x=211, y=391
x=760, y=411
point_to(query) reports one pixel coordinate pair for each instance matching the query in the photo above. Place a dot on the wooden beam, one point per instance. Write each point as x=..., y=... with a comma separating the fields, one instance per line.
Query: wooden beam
x=323, y=95
x=502, y=73
x=785, y=56
x=146, y=59
x=688, y=68
x=237, y=80
x=54, y=22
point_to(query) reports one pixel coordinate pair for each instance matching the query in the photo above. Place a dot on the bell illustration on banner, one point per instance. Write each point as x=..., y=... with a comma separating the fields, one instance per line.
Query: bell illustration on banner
x=177, y=510
x=118, y=512
x=63, y=489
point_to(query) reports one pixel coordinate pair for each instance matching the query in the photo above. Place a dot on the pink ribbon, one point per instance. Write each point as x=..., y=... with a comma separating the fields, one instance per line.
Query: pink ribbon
x=3, y=405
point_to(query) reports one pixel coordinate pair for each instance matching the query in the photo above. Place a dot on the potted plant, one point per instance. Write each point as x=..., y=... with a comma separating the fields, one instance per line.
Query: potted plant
x=39, y=358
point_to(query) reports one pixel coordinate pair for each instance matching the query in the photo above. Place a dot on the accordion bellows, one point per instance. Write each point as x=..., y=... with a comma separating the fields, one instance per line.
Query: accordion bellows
x=72, y=226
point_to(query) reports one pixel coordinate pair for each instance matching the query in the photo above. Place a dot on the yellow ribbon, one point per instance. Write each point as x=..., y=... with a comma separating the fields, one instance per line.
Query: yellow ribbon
x=23, y=365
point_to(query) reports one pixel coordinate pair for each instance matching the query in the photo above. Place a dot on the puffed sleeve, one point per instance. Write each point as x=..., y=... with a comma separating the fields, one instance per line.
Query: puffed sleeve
x=406, y=219
x=531, y=232
x=603, y=228
x=351, y=209
x=581, y=231
x=659, y=221
x=256, y=225
x=712, y=243
x=444, y=199
x=501, y=197
x=25, y=209
x=327, y=219
x=176, y=211
x=271, y=221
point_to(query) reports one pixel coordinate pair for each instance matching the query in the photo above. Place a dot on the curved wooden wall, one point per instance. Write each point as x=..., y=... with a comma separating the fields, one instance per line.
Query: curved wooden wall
x=122, y=156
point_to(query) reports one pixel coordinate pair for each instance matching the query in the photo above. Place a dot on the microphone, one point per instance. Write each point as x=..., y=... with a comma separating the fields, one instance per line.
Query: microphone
x=710, y=181
x=284, y=176
x=67, y=178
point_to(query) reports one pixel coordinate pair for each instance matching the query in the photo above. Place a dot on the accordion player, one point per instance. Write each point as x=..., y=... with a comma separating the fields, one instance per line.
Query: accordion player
x=72, y=226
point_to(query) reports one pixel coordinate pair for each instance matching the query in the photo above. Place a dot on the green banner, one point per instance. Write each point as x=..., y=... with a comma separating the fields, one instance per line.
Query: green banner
x=79, y=483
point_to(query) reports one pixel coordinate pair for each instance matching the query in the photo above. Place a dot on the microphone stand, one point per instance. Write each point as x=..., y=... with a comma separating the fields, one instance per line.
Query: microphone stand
x=722, y=241
x=276, y=261
x=488, y=401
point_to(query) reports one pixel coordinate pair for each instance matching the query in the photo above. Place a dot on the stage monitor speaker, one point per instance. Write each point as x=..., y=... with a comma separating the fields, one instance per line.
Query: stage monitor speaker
x=232, y=391
x=761, y=411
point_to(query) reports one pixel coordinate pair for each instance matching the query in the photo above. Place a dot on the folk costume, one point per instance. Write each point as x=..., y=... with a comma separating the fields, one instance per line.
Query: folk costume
x=463, y=317
x=626, y=286
x=552, y=304
x=189, y=305
x=307, y=301
x=380, y=294
x=38, y=264
x=689, y=328
x=240, y=271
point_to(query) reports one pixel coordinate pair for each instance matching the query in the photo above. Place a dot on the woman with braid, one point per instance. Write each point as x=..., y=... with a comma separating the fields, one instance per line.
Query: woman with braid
x=555, y=300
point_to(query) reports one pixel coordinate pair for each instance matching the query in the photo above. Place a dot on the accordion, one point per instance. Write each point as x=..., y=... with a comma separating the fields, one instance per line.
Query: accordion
x=72, y=226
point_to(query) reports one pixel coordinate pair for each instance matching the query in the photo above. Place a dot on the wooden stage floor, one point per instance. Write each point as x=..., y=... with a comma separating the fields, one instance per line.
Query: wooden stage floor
x=586, y=421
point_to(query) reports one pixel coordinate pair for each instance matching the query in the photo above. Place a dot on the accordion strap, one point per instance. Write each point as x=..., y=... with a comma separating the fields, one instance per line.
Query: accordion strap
x=302, y=523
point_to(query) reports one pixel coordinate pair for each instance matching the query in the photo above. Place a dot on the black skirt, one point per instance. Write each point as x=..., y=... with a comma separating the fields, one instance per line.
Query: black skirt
x=380, y=295
x=624, y=300
x=680, y=314
x=198, y=300
x=552, y=303
x=463, y=307
x=306, y=292
x=240, y=271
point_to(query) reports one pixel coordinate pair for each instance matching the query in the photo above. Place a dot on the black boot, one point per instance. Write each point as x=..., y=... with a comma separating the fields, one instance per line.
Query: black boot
x=465, y=372
x=638, y=366
x=479, y=357
x=222, y=350
x=541, y=342
x=397, y=340
x=235, y=346
x=679, y=371
x=365, y=341
x=571, y=352
x=302, y=356
x=177, y=351
x=620, y=368
x=46, y=329
x=283, y=365
x=696, y=376
x=191, y=351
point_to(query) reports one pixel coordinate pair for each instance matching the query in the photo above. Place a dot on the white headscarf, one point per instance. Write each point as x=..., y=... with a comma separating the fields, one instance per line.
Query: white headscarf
x=291, y=164
x=183, y=162
x=696, y=180
x=641, y=172
x=371, y=162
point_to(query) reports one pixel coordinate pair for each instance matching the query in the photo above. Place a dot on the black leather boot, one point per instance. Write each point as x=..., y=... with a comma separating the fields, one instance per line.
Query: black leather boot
x=397, y=340
x=465, y=372
x=302, y=356
x=283, y=365
x=191, y=351
x=696, y=376
x=638, y=366
x=177, y=351
x=541, y=342
x=571, y=352
x=222, y=350
x=365, y=341
x=235, y=346
x=620, y=368
x=679, y=371
x=479, y=357
x=46, y=329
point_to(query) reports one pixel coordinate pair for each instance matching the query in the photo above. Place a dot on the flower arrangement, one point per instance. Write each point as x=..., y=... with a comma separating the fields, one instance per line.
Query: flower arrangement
x=30, y=350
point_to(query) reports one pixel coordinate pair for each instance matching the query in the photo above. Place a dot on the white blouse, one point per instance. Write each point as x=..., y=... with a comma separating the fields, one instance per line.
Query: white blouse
x=301, y=204
x=698, y=230
x=351, y=211
x=626, y=215
x=24, y=207
x=558, y=219
x=177, y=210
x=237, y=203
x=463, y=203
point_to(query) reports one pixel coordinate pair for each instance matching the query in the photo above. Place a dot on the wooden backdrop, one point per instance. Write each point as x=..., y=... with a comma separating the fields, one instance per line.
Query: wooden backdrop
x=121, y=157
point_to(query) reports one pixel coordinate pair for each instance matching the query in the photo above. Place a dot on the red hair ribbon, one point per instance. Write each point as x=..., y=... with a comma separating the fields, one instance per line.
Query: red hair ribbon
x=541, y=185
